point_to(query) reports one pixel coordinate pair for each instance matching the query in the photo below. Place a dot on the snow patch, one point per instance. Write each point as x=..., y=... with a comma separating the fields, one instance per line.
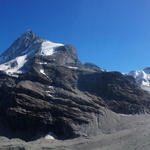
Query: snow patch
x=72, y=67
x=42, y=63
x=125, y=115
x=51, y=87
x=49, y=94
x=42, y=71
x=48, y=48
x=14, y=66
x=50, y=91
x=50, y=136
x=145, y=83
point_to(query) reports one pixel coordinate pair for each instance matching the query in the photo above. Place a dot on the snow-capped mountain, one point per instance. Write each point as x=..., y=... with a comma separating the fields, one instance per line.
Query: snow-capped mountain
x=52, y=92
x=142, y=77
x=13, y=60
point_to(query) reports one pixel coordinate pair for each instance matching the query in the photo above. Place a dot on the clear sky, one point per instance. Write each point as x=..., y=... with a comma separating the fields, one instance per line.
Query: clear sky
x=113, y=34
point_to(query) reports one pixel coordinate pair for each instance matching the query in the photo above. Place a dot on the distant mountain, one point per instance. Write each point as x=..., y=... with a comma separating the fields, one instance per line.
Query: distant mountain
x=44, y=88
x=142, y=77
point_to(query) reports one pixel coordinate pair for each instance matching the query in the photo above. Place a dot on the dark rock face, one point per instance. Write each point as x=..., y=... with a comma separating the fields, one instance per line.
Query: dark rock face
x=120, y=93
x=67, y=98
x=66, y=55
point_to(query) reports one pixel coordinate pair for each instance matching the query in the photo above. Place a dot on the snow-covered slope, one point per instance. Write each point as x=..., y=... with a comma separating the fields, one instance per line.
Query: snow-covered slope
x=142, y=77
x=14, y=66
x=13, y=60
x=48, y=48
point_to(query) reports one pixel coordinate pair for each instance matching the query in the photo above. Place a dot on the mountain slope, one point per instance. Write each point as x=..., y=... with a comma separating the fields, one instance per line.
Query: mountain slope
x=53, y=92
x=13, y=60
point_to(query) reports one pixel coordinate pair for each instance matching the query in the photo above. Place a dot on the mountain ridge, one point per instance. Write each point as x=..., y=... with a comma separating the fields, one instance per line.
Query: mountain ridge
x=13, y=60
x=57, y=93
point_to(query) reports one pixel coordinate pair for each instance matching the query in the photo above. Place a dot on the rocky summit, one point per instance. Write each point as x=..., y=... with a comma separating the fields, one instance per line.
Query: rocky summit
x=44, y=88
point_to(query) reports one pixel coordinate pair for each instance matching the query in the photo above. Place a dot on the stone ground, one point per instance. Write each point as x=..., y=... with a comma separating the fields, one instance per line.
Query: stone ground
x=136, y=136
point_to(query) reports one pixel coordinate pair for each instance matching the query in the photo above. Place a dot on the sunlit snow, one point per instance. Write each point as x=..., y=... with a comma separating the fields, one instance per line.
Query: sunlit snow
x=50, y=136
x=72, y=67
x=42, y=71
x=48, y=48
x=14, y=66
x=141, y=76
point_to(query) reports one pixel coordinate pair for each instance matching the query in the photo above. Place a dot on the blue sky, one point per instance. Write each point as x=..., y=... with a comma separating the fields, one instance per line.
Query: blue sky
x=113, y=34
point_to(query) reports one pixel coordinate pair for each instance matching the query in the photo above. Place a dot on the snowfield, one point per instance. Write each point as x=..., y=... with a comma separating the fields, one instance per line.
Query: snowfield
x=48, y=48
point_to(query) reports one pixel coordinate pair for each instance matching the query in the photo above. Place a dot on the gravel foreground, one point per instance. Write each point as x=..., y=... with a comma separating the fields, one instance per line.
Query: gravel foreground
x=135, y=137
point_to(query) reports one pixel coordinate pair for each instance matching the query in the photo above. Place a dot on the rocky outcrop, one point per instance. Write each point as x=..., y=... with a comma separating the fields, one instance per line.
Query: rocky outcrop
x=92, y=66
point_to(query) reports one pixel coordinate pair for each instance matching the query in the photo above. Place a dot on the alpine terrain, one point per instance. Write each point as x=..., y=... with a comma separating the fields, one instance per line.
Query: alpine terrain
x=46, y=92
x=142, y=77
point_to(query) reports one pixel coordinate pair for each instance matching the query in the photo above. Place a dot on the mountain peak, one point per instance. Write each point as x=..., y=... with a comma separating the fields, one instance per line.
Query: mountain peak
x=29, y=47
x=19, y=46
x=28, y=34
